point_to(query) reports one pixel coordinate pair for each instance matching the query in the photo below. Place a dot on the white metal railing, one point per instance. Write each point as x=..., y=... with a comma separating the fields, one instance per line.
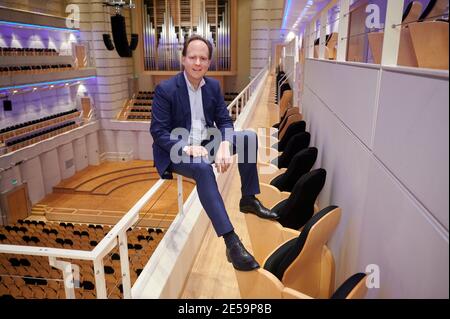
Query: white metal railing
x=283, y=79
x=117, y=236
x=241, y=100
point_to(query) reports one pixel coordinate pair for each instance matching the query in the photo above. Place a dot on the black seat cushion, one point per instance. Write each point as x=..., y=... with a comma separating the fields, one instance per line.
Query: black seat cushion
x=427, y=10
x=108, y=270
x=407, y=11
x=293, y=129
x=283, y=257
x=87, y=285
x=327, y=39
x=284, y=87
x=300, y=164
x=280, y=78
x=343, y=291
x=297, y=209
x=297, y=143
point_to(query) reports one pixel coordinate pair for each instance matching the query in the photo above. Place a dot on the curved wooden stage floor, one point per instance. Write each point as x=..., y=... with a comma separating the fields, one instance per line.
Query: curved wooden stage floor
x=103, y=194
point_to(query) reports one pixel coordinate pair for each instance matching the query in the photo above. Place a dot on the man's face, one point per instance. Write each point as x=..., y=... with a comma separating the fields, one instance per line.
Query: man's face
x=196, y=62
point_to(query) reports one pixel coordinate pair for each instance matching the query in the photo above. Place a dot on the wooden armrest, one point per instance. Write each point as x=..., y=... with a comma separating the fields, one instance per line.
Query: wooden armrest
x=430, y=42
x=267, y=172
x=289, y=293
x=259, y=284
x=270, y=195
x=260, y=230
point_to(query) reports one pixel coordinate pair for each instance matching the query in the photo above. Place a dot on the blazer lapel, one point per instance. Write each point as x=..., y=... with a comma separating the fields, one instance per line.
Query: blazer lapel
x=206, y=100
x=183, y=100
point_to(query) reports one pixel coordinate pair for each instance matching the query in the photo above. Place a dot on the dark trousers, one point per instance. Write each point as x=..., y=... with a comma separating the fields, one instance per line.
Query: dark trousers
x=245, y=143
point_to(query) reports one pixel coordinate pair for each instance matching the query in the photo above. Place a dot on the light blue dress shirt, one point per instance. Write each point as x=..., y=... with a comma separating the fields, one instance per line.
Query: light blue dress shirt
x=198, y=131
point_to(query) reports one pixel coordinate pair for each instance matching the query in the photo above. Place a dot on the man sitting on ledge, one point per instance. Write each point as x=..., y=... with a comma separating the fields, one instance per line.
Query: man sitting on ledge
x=187, y=142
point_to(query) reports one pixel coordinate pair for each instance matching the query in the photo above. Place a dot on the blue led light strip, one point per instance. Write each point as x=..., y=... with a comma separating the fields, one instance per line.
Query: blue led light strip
x=286, y=13
x=34, y=26
x=45, y=83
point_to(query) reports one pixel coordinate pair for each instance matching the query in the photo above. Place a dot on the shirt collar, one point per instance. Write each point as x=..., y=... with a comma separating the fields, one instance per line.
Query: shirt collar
x=189, y=85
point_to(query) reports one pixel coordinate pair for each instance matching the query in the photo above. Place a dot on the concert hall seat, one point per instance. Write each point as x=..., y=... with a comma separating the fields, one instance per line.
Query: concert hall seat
x=430, y=36
x=406, y=54
x=289, y=111
x=330, y=46
x=303, y=262
x=353, y=288
x=295, y=144
x=292, y=129
x=295, y=209
x=300, y=164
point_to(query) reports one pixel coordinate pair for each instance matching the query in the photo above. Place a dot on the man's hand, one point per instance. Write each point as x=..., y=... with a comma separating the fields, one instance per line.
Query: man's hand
x=223, y=157
x=195, y=150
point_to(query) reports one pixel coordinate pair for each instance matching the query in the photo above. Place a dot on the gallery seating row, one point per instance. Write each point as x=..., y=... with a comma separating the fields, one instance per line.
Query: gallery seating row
x=292, y=250
x=27, y=140
x=424, y=37
x=31, y=277
x=32, y=69
x=6, y=51
x=28, y=126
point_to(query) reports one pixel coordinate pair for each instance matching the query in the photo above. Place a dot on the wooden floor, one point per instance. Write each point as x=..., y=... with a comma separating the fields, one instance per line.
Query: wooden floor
x=211, y=275
x=116, y=187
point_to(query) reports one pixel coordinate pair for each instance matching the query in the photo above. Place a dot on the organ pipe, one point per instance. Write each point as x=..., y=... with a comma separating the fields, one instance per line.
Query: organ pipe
x=164, y=38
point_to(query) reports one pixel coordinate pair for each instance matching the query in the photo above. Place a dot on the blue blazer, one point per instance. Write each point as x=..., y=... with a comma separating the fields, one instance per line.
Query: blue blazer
x=171, y=109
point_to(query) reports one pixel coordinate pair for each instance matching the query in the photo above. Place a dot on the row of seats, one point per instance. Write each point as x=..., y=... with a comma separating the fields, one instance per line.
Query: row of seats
x=281, y=85
x=14, y=69
x=146, y=97
x=424, y=36
x=230, y=96
x=142, y=103
x=39, y=129
x=5, y=51
x=140, y=109
x=32, y=276
x=36, y=121
x=139, y=117
x=39, y=136
x=296, y=262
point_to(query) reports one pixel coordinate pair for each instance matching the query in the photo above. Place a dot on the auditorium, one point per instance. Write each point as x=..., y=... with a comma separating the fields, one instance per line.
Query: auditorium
x=339, y=189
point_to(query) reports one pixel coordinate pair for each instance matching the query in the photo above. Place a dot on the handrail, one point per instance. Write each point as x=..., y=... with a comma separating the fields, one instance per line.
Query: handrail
x=245, y=94
x=282, y=80
x=117, y=236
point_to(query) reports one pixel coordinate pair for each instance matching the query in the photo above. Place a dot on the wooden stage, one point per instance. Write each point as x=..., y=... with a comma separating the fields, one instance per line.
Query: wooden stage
x=103, y=194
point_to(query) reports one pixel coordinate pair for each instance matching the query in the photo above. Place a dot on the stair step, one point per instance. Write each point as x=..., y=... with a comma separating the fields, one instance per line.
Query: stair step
x=38, y=212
